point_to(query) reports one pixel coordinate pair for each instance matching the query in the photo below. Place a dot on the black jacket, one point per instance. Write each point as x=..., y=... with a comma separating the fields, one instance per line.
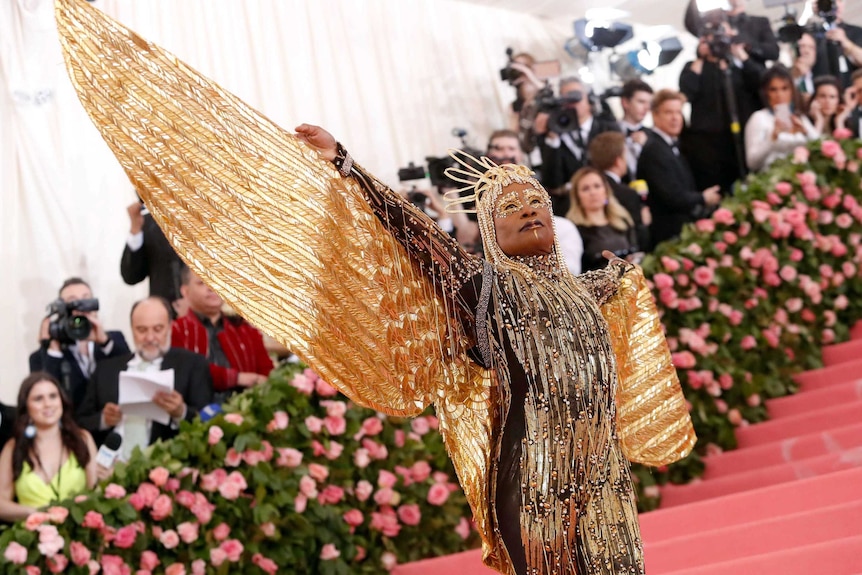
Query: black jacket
x=156, y=260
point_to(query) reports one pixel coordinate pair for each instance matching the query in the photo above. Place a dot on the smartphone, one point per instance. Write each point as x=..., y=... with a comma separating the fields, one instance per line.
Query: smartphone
x=782, y=113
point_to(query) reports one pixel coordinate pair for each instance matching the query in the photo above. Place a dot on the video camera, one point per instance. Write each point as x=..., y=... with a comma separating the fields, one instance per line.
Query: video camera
x=68, y=326
x=716, y=28
x=411, y=173
x=791, y=31
x=561, y=118
x=510, y=74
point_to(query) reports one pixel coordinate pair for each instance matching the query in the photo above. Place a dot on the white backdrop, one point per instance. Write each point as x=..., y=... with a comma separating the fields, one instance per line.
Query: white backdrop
x=390, y=78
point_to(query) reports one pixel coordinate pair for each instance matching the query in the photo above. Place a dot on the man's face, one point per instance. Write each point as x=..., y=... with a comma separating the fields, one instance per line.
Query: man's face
x=668, y=118
x=522, y=221
x=807, y=49
x=637, y=107
x=857, y=87
x=505, y=150
x=839, y=10
x=75, y=292
x=151, y=329
x=200, y=297
x=583, y=107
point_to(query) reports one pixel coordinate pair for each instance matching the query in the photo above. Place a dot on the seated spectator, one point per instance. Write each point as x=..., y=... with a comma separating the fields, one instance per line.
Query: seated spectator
x=852, y=99
x=49, y=457
x=776, y=130
x=72, y=364
x=803, y=63
x=503, y=149
x=608, y=155
x=826, y=111
x=148, y=254
x=673, y=196
x=192, y=387
x=602, y=222
x=234, y=349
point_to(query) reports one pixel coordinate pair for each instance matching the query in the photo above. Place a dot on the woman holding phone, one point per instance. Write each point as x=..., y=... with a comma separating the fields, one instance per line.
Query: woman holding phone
x=775, y=131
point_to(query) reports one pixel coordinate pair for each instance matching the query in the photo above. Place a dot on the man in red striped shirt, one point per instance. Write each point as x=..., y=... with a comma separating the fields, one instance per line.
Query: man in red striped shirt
x=234, y=348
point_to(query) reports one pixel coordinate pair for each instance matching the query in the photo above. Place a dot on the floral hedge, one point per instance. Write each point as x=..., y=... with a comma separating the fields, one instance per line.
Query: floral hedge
x=294, y=476
x=291, y=476
x=749, y=296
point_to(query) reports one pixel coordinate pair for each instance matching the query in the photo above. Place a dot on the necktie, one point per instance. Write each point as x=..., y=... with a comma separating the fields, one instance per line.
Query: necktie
x=674, y=144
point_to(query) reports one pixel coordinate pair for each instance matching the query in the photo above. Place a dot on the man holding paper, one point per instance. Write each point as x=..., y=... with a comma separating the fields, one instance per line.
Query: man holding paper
x=144, y=396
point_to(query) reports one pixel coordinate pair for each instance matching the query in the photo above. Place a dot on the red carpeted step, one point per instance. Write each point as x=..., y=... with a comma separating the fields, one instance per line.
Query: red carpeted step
x=839, y=557
x=828, y=376
x=756, y=538
x=468, y=562
x=705, y=489
x=739, y=508
x=779, y=429
x=856, y=330
x=784, y=451
x=800, y=403
x=842, y=352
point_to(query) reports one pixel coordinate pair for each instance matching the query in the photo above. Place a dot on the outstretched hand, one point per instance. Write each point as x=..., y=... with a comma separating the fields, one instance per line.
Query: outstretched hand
x=319, y=139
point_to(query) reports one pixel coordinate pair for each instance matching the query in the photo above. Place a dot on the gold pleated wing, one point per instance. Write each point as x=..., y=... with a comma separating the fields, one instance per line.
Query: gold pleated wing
x=269, y=225
x=653, y=423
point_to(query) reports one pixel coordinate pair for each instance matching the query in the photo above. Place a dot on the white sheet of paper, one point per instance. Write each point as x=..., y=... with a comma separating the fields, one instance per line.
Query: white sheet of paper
x=137, y=389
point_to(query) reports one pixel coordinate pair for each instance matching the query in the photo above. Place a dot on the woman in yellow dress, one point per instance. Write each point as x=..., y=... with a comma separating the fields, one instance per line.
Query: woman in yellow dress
x=49, y=457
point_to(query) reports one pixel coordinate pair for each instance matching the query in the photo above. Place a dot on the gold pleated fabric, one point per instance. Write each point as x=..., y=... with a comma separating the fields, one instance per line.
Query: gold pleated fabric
x=282, y=237
x=653, y=423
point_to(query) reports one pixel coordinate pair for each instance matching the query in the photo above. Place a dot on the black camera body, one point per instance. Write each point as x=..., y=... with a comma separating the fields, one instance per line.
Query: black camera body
x=68, y=327
x=561, y=118
x=828, y=12
x=715, y=29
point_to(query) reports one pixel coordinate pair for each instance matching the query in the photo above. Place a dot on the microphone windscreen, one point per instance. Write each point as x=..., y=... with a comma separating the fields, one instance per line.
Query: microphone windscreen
x=113, y=441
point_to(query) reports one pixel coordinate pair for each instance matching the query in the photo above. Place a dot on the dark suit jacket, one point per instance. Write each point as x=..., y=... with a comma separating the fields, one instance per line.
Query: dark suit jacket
x=632, y=202
x=558, y=164
x=7, y=423
x=757, y=35
x=40, y=360
x=673, y=197
x=852, y=121
x=191, y=380
x=827, y=51
x=156, y=260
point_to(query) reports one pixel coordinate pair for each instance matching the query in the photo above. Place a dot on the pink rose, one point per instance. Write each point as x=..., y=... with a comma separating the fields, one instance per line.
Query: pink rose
x=683, y=360
x=314, y=424
x=280, y=420
x=93, y=520
x=387, y=496
x=375, y=450
x=331, y=495
x=188, y=531
x=268, y=528
x=288, y=457
x=169, y=538
x=420, y=471
x=318, y=472
x=215, y=434
x=233, y=485
x=372, y=426
x=329, y=552
x=334, y=451
x=703, y=276
x=57, y=563
x=232, y=458
x=361, y=553
x=17, y=553
x=334, y=408
x=32, y=570
x=399, y=438
x=308, y=487
x=149, y=560
x=221, y=532
x=463, y=528
x=388, y=560
x=114, y=565
x=662, y=281
x=800, y=155
x=842, y=134
x=386, y=522
x=148, y=493
x=361, y=458
x=438, y=494
x=159, y=476
x=199, y=567
x=363, y=490
x=176, y=569
x=233, y=548
x=50, y=540
x=234, y=418
x=386, y=479
x=303, y=384
x=669, y=264
x=783, y=188
x=78, y=551
x=265, y=564
x=93, y=566
x=734, y=416
x=748, y=342
x=354, y=518
x=57, y=514
x=217, y=556
x=830, y=148
x=335, y=425
x=300, y=502
x=409, y=514
x=323, y=389
x=114, y=491
x=125, y=537
x=705, y=226
x=162, y=507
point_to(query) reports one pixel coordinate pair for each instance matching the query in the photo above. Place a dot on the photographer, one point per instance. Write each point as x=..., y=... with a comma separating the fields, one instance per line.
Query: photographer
x=723, y=86
x=839, y=48
x=73, y=339
x=564, y=138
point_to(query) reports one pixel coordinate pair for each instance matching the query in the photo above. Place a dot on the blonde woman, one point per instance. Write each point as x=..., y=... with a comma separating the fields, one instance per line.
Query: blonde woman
x=604, y=224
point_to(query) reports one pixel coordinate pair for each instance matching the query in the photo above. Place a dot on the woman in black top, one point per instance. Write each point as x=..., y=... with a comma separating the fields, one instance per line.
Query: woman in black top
x=603, y=222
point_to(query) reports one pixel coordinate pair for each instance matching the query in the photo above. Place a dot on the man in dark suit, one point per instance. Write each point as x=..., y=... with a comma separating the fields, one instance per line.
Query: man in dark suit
x=148, y=254
x=565, y=153
x=753, y=32
x=73, y=363
x=608, y=154
x=854, y=101
x=839, y=49
x=673, y=197
x=192, y=386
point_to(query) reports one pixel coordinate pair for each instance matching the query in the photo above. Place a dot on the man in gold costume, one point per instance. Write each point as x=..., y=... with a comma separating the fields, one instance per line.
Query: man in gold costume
x=560, y=488
x=513, y=352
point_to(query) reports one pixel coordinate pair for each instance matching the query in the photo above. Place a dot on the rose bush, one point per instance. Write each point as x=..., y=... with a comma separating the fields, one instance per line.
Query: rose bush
x=749, y=296
x=291, y=477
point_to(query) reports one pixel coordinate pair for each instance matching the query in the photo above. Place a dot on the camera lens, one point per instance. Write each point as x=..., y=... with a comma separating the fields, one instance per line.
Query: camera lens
x=78, y=327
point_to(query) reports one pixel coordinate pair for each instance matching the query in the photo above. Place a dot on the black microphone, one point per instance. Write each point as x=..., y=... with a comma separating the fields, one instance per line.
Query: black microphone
x=109, y=450
x=459, y=132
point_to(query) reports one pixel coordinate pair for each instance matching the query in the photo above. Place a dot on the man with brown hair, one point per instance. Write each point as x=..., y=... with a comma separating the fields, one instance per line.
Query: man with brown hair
x=608, y=153
x=673, y=197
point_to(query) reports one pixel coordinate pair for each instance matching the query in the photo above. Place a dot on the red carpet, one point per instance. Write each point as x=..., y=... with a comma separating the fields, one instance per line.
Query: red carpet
x=788, y=501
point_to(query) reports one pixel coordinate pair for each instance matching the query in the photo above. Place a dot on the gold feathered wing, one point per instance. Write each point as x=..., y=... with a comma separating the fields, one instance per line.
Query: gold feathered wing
x=286, y=241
